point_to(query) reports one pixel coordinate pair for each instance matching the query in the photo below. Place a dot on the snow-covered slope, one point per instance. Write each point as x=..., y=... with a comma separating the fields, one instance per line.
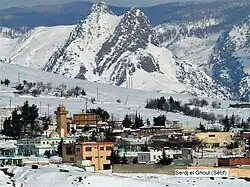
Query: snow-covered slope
x=34, y=48
x=26, y=177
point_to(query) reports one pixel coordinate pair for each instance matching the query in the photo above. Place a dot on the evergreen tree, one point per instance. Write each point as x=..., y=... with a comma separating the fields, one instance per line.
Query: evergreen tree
x=124, y=160
x=244, y=125
x=171, y=104
x=47, y=154
x=232, y=121
x=33, y=115
x=93, y=136
x=101, y=112
x=138, y=122
x=164, y=160
x=148, y=122
x=115, y=157
x=226, y=124
x=7, y=129
x=73, y=130
x=16, y=124
x=202, y=128
x=59, y=148
x=161, y=103
x=83, y=92
x=160, y=120
x=126, y=123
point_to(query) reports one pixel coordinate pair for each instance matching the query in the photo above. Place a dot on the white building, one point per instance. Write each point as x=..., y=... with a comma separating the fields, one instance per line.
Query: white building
x=150, y=157
x=153, y=156
x=38, y=146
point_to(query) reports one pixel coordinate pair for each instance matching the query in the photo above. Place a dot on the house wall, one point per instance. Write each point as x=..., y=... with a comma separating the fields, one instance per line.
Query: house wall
x=212, y=139
x=68, y=153
x=143, y=157
x=86, y=119
x=146, y=168
x=39, y=145
x=233, y=161
x=96, y=152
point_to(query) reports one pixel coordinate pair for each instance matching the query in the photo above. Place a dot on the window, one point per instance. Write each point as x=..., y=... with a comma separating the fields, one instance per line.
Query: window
x=69, y=151
x=96, y=157
x=43, y=142
x=211, y=135
x=88, y=149
x=108, y=157
x=101, y=156
x=71, y=159
x=154, y=156
x=78, y=149
x=109, y=148
x=89, y=158
x=102, y=148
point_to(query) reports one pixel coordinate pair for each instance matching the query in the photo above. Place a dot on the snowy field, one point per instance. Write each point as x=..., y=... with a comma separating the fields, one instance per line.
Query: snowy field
x=50, y=176
x=108, y=96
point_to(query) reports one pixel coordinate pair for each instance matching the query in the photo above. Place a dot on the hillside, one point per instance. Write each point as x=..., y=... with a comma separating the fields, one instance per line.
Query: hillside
x=120, y=50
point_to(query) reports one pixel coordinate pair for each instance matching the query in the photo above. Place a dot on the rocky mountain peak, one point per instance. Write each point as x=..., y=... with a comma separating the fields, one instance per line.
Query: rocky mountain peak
x=101, y=7
x=136, y=23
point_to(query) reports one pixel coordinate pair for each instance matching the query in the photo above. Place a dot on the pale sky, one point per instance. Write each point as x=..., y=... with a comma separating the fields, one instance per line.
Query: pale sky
x=12, y=3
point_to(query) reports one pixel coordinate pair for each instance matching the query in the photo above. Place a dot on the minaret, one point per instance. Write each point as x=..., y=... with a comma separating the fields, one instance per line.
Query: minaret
x=61, y=120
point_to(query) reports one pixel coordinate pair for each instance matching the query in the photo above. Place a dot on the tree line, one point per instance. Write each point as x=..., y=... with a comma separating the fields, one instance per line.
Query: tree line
x=38, y=88
x=171, y=105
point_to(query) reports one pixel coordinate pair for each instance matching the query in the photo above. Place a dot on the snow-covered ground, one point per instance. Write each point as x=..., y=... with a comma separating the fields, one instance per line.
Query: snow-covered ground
x=50, y=176
x=131, y=100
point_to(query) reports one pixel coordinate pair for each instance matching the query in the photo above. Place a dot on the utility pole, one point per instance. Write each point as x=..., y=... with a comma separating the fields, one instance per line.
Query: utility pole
x=126, y=100
x=132, y=87
x=40, y=110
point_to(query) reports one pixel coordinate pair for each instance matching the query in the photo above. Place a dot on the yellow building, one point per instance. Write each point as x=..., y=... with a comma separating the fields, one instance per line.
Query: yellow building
x=86, y=119
x=215, y=139
x=97, y=152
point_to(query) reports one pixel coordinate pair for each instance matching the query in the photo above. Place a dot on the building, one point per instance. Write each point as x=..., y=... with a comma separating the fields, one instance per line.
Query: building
x=215, y=139
x=86, y=119
x=150, y=157
x=38, y=146
x=62, y=121
x=97, y=152
x=234, y=161
x=157, y=130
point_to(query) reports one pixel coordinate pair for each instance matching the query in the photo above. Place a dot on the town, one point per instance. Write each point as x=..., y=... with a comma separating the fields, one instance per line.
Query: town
x=93, y=140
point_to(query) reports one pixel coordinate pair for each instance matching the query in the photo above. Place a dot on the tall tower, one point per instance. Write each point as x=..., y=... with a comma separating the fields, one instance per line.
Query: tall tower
x=61, y=120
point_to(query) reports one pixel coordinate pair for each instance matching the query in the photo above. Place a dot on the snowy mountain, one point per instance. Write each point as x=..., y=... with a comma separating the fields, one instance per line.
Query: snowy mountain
x=125, y=50
x=77, y=56
x=121, y=50
x=229, y=62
